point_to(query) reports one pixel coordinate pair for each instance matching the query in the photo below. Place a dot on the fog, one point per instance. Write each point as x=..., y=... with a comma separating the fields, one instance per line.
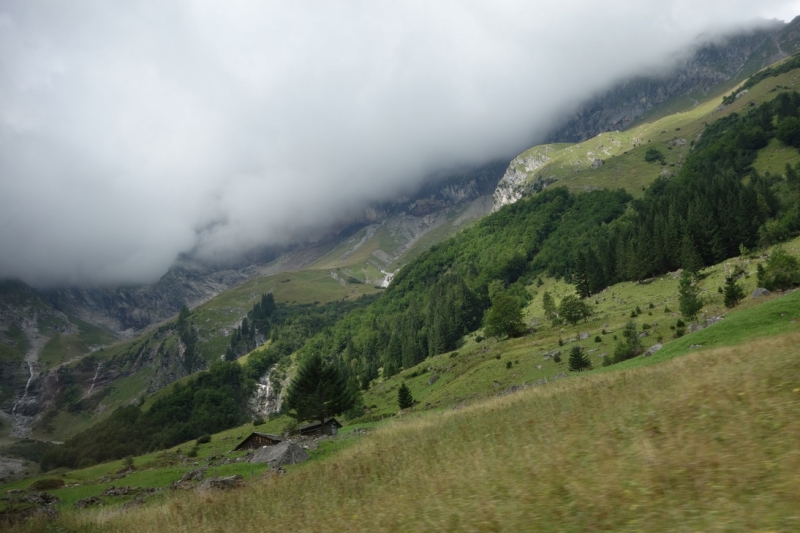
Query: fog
x=131, y=132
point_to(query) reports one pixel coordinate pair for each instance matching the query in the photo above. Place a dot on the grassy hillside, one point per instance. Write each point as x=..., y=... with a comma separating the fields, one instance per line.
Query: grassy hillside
x=698, y=442
x=623, y=152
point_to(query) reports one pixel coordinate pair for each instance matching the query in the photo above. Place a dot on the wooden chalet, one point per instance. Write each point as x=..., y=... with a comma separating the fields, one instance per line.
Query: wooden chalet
x=257, y=440
x=329, y=427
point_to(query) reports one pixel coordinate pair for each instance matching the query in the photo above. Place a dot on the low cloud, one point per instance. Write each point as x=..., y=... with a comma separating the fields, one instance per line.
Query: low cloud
x=131, y=132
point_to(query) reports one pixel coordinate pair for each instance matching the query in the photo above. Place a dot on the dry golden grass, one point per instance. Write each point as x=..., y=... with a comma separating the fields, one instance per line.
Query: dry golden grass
x=705, y=442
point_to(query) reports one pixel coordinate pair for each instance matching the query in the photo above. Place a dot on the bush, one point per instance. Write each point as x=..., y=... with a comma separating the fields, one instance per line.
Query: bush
x=597, y=338
x=192, y=452
x=204, y=439
x=508, y=364
x=780, y=271
x=46, y=484
x=258, y=421
x=654, y=155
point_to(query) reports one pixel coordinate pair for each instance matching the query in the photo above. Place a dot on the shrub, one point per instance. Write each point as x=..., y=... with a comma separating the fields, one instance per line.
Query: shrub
x=258, y=421
x=192, y=452
x=46, y=484
x=597, y=338
x=508, y=364
x=780, y=271
x=204, y=439
x=680, y=324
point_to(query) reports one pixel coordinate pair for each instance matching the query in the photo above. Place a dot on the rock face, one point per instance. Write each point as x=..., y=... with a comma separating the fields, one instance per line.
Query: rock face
x=711, y=64
x=513, y=184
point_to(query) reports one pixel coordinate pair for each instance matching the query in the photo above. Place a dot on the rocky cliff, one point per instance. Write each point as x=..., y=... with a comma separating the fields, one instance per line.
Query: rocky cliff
x=711, y=66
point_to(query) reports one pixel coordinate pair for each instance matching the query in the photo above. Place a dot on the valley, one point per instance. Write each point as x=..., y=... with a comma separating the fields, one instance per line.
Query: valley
x=502, y=422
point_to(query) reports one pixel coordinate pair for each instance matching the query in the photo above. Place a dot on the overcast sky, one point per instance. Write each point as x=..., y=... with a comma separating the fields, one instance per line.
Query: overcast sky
x=132, y=131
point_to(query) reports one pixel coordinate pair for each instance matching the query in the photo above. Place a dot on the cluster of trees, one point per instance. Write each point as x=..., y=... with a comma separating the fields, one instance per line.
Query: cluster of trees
x=257, y=322
x=475, y=278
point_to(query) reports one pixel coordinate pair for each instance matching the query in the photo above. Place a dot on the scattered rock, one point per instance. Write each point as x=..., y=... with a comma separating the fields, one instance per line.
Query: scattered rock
x=495, y=384
x=136, y=502
x=597, y=163
x=713, y=320
x=87, y=502
x=644, y=334
x=223, y=483
x=42, y=498
x=695, y=346
x=696, y=327
x=433, y=379
x=573, y=339
x=602, y=354
x=194, y=475
x=653, y=349
x=759, y=292
x=550, y=355
x=584, y=335
x=182, y=485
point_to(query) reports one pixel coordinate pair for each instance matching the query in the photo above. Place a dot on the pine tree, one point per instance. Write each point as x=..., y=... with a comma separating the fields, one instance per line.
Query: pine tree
x=318, y=391
x=549, y=306
x=689, y=299
x=733, y=292
x=404, y=398
x=578, y=361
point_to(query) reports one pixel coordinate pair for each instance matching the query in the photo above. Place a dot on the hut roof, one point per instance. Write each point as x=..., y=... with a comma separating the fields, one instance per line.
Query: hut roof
x=243, y=444
x=315, y=425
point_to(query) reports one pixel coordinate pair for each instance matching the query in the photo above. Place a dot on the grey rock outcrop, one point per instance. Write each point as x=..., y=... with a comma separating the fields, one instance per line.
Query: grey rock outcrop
x=222, y=483
x=285, y=453
x=759, y=292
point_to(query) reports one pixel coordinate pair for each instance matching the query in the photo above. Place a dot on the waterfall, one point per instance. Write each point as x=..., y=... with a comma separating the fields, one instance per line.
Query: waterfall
x=27, y=386
x=96, y=373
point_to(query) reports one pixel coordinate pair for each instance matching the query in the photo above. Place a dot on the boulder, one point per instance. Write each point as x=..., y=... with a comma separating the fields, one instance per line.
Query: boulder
x=194, y=475
x=285, y=453
x=653, y=349
x=584, y=335
x=222, y=483
x=434, y=378
x=759, y=292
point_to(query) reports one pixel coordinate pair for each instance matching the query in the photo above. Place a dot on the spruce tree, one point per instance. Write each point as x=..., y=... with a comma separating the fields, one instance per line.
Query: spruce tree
x=549, y=306
x=578, y=361
x=689, y=299
x=404, y=398
x=318, y=391
x=733, y=292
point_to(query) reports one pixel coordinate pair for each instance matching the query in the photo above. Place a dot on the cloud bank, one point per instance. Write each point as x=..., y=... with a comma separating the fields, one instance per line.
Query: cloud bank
x=133, y=131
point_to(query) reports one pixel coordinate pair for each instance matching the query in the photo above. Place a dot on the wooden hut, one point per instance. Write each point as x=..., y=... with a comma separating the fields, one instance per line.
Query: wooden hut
x=328, y=427
x=257, y=440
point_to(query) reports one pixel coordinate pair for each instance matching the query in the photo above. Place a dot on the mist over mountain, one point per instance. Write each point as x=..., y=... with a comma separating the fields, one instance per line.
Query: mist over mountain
x=137, y=132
